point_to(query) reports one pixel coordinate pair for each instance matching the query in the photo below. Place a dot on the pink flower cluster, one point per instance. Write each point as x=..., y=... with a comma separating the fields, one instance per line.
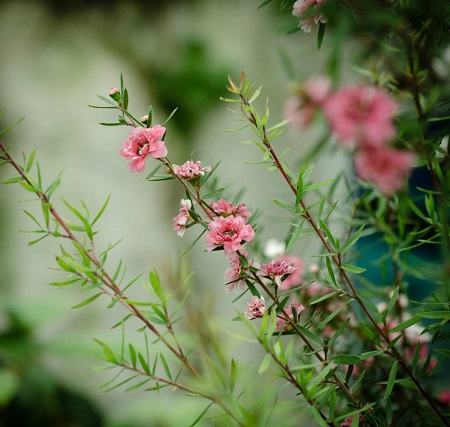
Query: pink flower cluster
x=301, y=9
x=236, y=273
x=277, y=270
x=224, y=208
x=256, y=308
x=361, y=117
x=301, y=107
x=141, y=143
x=228, y=233
x=190, y=170
x=180, y=221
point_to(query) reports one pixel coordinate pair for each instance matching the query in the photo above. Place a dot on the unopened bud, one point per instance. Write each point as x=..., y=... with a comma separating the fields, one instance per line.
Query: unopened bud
x=144, y=119
x=114, y=93
x=313, y=268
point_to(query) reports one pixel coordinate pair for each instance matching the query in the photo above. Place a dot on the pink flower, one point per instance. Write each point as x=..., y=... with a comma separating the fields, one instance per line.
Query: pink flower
x=113, y=91
x=228, y=232
x=361, y=114
x=276, y=270
x=444, y=398
x=235, y=274
x=301, y=7
x=256, y=308
x=180, y=221
x=224, y=208
x=295, y=278
x=385, y=167
x=348, y=421
x=301, y=107
x=190, y=170
x=141, y=143
x=282, y=320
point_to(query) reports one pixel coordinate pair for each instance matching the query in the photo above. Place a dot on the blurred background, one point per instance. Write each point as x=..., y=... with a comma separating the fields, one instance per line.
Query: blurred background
x=56, y=57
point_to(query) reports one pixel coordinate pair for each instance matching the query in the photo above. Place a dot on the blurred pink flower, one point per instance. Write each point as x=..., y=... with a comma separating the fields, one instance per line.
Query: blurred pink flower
x=295, y=278
x=141, y=143
x=228, y=232
x=190, y=170
x=235, y=273
x=444, y=398
x=348, y=421
x=282, y=320
x=180, y=221
x=361, y=115
x=256, y=308
x=301, y=107
x=224, y=208
x=276, y=270
x=385, y=167
x=113, y=91
x=301, y=8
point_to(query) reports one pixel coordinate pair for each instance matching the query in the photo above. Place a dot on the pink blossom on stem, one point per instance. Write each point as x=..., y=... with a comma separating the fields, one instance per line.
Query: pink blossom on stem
x=295, y=278
x=228, y=232
x=282, y=320
x=385, y=167
x=224, y=208
x=301, y=7
x=235, y=273
x=348, y=421
x=141, y=143
x=361, y=114
x=180, y=221
x=190, y=170
x=276, y=270
x=301, y=107
x=113, y=91
x=256, y=308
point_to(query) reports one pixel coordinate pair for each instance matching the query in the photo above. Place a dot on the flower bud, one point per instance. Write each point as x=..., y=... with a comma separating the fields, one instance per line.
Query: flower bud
x=114, y=93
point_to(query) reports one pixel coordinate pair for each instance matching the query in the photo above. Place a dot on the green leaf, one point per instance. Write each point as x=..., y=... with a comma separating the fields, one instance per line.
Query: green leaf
x=295, y=236
x=370, y=334
x=350, y=242
x=353, y=269
x=338, y=332
x=391, y=380
x=312, y=336
x=318, y=417
x=406, y=324
x=110, y=357
x=284, y=205
x=391, y=304
x=345, y=359
x=13, y=180
x=320, y=34
x=87, y=301
x=3, y=131
x=201, y=415
x=332, y=315
x=165, y=366
x=170, y=116
x=144, y=364
x=102, y=209
x=264, y=364
x=51, y=189
x=30, y=160
x=132, y=355
x=264, y=3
